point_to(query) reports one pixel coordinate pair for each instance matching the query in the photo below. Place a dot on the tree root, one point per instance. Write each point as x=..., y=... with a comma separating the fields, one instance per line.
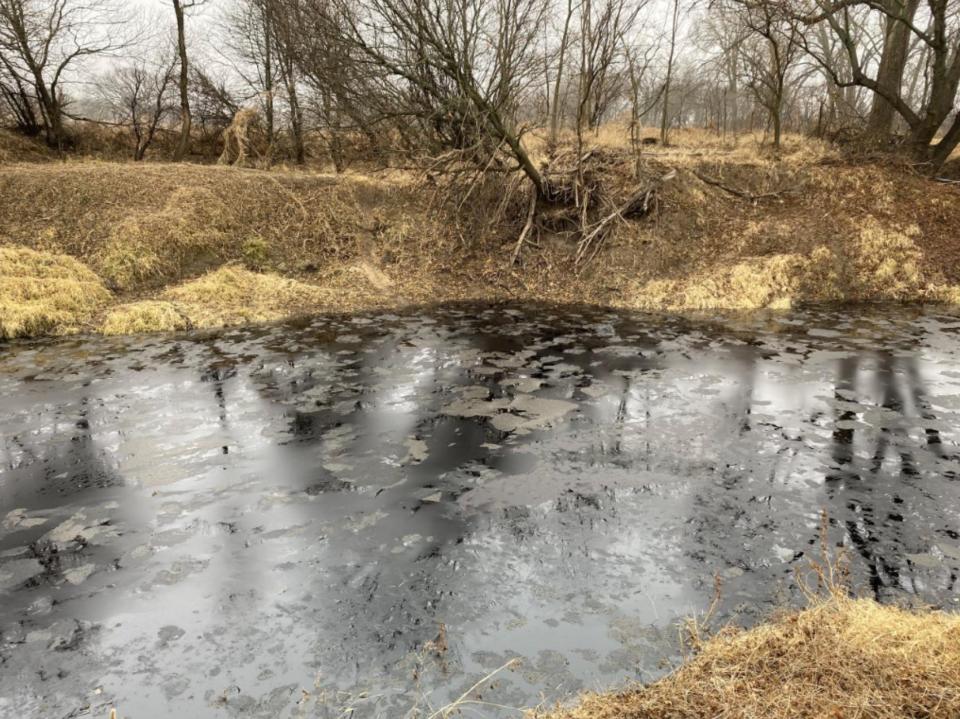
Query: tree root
x=526, y=229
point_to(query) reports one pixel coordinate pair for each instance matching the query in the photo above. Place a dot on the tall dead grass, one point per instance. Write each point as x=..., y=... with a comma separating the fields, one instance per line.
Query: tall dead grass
x=43, y=293
x=143, y=226
x=841, y=658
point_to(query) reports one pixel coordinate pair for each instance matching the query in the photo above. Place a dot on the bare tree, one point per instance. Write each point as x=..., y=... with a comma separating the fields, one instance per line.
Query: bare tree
x=285, y=20
x=249, y=35
x=665, y=117
x=603, y=58
x=18, y=99
x=180, y=7
x=768, y=54
x=898, y=16
x=41, y=41
x=555, y=101
x=463, y=68
x=139, y=95
x=938, y=37
x=642, y=95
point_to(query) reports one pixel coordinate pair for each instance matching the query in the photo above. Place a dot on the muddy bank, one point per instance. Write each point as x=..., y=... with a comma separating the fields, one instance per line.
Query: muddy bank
x=277, y=522
x=165, y=239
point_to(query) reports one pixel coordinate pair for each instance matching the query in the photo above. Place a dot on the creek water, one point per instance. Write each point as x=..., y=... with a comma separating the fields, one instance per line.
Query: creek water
x=372, y=513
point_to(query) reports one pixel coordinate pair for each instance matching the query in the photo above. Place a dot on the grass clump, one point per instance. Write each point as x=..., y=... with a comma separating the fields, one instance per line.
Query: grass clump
x=46, y=293
x=880, y=263
x=839, y=658
x=145, y=316
x=753, y=283
x=225, y=297
x=256, y=253
x=232, y=295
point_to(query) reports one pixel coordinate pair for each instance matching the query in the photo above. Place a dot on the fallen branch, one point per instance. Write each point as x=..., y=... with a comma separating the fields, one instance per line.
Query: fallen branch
x=734, y=191
x=638, y=204
x=526, y=228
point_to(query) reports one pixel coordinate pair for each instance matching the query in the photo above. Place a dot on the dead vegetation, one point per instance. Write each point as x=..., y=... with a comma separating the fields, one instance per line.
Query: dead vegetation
x=840, y=657
x=43, y=293
x=878, y=264
x=146, y=226
x=225, y=297
x=705, y=225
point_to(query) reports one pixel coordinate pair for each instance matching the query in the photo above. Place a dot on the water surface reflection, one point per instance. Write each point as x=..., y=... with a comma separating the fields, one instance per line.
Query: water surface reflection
x=277, y=522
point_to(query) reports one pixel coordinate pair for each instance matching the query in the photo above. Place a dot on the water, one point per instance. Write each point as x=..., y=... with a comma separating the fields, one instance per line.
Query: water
x=278, y=522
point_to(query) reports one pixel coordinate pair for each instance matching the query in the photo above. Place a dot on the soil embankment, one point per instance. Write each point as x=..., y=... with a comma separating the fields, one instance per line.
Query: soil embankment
x=176, y=246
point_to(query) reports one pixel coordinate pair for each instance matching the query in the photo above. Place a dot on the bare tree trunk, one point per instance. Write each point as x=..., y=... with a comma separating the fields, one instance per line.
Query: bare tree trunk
x=893, y=60
x=268, y=80
x=185, y=123
x=665, y=117
x=296, y=116
x=555, y=109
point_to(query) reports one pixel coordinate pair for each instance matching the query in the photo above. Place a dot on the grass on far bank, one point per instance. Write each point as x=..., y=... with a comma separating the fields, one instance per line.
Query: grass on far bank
x=808, y=225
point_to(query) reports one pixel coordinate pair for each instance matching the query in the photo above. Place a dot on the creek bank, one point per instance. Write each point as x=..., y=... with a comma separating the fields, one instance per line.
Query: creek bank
x=167, y=247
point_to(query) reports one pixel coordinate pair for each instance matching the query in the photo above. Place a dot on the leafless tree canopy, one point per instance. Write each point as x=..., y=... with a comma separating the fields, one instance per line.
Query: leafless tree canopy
x=457, y=83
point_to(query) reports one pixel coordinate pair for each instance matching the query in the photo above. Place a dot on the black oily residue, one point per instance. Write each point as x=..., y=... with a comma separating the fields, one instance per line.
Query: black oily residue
x=218, y=522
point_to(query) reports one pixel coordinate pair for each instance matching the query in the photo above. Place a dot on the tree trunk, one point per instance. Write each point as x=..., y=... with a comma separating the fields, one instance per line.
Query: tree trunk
x=893, y=60
x=296, y=120
x=665, y=117
x=942, y=151
x=555, y=109
x=776, y=128
x=185, y=123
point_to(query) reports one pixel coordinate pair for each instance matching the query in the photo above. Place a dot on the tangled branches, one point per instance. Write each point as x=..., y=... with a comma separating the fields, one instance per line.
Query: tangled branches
x=585, y=200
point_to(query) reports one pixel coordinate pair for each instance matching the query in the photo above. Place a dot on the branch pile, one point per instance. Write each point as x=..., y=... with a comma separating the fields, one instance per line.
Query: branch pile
x=588, y=195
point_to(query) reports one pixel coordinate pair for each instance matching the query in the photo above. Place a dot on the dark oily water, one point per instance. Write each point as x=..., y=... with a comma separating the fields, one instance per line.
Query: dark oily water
x=277, y=522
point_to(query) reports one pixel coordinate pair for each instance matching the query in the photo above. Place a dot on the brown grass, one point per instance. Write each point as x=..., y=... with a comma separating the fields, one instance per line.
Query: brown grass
x=839, y=659
x=142, y=317
x=44, y=293
x=879, y=264
x=14, y=147
x=233, y=296
x=825, y=229
x=142, y=226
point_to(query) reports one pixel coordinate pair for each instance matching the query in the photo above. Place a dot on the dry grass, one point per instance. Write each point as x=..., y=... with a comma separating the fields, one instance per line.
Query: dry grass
x=825, y=229
x=14, y=147
x=44, y=293
x=228, y=296
x=880, y=264
x=142, y=226
x=841, y=658
x=142, y=317
x=694, y=145
x=233, y=296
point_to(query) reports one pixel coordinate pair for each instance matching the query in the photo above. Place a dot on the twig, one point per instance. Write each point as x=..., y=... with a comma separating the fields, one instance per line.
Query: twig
x=444, y=712
x=526, y=228
x=733, y=190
